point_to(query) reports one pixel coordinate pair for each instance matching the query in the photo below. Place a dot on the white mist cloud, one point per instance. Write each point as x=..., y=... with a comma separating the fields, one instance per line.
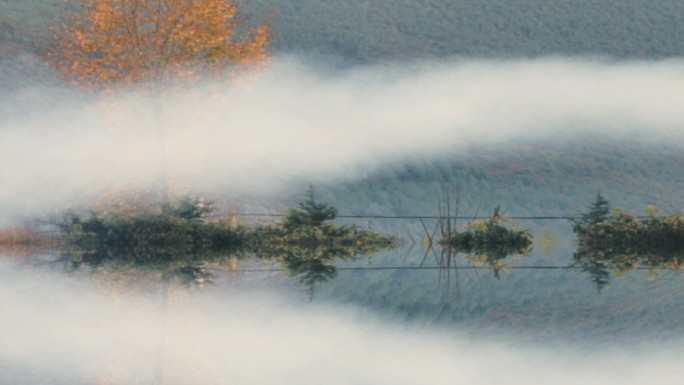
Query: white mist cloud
x=59, y=330
x=294, y=122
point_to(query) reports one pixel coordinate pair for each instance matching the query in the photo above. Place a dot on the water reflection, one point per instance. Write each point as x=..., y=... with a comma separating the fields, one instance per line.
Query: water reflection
x=485, y=279
x=176, y=243
x=612, y=243
x=488, y=242
x=604, y=260
x=315, y=255
x=539, y=296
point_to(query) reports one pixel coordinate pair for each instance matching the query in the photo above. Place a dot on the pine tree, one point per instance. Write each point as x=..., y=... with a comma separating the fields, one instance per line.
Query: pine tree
x=309, y=212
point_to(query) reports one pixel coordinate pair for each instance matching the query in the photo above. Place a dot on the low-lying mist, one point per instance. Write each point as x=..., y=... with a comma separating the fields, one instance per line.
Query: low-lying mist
x=293, y=124
x=297, y=123
x=60, y=330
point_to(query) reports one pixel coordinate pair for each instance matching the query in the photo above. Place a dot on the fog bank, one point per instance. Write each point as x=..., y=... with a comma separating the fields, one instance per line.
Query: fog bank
x=59, y=330
x=295, y=123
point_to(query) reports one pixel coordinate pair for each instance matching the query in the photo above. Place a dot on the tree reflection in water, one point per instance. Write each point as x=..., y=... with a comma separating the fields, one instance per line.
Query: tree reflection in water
x=615, y=242
x=176, y=244
x=488, y=242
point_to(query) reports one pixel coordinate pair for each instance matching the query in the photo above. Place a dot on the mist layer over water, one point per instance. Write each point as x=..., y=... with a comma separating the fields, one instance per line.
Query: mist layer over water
x=59, y=330
x=290, y=122
x=293, y=122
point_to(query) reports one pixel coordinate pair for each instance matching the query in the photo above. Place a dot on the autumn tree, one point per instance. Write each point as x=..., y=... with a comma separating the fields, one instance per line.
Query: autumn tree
x=107, y=43
x=112, y=44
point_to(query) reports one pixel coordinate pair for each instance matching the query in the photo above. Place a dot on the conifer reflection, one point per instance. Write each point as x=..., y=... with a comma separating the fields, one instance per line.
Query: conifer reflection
x=613, y=242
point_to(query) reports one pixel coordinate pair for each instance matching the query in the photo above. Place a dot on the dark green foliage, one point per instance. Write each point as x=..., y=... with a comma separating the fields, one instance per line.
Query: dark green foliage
x=621, y=242
x=310, y=270
x=309, y=213
x=147, y=239
x=310, y=226
x=178, y=247
x=598, y=213
x=489, y=241
x=308, y=244
x=344, y=240
x=178, y=242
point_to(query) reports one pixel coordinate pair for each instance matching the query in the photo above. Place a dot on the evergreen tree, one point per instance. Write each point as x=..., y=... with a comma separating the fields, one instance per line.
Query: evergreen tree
x=309, y=212
x=598, y=213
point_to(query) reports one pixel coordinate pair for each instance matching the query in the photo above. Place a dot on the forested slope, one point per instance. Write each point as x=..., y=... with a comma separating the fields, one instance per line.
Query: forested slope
x=23, y=31
x=542, y=178
x=523, y=304
x=368, y=30
x=545, y=178
x=562, y=177
x=24, y=23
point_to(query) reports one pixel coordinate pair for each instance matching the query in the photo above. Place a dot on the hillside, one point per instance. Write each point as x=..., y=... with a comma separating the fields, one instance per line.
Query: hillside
x=366, y=30
x=24, y=23
x=362, y=31
x=336, y=33
x=537, y=305
x=545, y=177
x=539, y=178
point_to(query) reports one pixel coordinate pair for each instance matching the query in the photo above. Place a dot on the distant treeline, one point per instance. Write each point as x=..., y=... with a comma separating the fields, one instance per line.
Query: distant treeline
x=537, y=178
x=366, y=30
x=342, y=33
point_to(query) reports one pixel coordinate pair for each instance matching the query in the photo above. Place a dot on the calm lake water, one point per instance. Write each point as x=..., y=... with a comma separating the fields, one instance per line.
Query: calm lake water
x=213, y=322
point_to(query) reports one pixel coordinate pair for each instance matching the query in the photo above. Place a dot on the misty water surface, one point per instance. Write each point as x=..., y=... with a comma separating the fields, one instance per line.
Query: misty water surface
x=413, y=306
x=413, y=315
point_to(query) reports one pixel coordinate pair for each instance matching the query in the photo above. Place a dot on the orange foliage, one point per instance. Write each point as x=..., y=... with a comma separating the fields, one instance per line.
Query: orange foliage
x=127, y=42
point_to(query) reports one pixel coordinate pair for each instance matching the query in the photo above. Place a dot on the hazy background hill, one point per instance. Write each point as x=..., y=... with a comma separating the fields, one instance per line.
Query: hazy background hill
x=564, y=175
x=23, y=31
x=544, y=177
x=366, y=30
x=23, y=24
